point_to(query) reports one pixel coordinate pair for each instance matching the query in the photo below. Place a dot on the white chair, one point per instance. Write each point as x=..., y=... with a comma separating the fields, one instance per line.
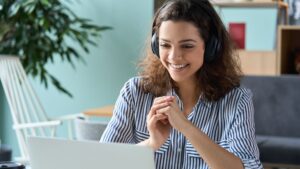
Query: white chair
x=29, y=117
x=87, y=130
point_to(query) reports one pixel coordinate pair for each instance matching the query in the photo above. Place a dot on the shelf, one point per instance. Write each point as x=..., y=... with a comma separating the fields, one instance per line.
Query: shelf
x=288, y=42
x=290, y=27
x=258, y=62
x=251, y=4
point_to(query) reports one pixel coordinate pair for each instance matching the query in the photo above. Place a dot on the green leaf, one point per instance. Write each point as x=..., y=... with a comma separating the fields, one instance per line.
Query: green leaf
x=1, y=4
x=27, y=2
x=57, y=84
x=103, y=28
x=13, y=10
x=46, y=3
x=29, y=8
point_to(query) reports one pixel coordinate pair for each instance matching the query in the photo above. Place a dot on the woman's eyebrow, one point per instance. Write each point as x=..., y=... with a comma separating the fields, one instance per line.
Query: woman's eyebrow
x=165, y=40
x=181, y=41
x=187, y=40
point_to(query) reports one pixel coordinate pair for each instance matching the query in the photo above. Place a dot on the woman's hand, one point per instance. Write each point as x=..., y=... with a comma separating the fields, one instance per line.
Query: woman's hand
x=176, y=118
x=158, y=126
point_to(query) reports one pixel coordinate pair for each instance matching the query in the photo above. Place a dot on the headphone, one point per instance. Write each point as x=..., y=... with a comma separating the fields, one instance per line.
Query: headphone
x=212, y=45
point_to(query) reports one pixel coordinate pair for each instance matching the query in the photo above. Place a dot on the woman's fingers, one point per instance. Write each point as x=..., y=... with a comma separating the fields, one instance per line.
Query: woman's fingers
x=164, y=110
x=160, y=103
x=158, y=117
x=159, y=106
x=162, y=99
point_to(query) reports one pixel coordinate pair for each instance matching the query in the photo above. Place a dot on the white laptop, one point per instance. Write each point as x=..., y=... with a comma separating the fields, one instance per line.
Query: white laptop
x=50, y=153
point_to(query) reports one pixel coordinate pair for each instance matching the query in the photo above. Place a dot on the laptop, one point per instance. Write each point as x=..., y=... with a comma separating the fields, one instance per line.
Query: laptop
x=55, y=153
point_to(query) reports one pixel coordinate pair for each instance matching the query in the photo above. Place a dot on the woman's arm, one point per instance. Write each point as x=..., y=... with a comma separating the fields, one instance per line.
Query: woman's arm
x=215, y=156
x=242, y=151
x=119, y=128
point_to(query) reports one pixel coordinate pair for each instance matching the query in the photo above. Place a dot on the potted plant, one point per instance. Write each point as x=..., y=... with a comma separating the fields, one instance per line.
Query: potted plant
x=37, y=30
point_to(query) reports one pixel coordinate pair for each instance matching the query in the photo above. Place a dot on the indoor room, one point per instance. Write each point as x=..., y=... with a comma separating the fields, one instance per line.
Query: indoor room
x=75, y=76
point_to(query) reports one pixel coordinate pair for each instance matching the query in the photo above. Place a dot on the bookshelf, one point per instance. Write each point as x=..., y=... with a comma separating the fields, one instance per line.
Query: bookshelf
x=288, y=41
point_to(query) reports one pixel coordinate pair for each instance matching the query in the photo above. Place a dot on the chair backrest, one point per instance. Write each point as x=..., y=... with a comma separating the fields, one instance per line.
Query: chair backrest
x=89, y=130
x=24, y=104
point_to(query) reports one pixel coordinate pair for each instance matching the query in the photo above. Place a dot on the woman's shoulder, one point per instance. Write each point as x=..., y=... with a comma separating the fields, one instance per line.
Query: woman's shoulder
x=241, y=90
x=134, y=85
x=133, y=89
x=236, y=94
x=134, y=82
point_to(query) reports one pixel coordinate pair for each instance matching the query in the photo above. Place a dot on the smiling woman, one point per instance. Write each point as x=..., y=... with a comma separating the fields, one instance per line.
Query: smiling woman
x=187, y=103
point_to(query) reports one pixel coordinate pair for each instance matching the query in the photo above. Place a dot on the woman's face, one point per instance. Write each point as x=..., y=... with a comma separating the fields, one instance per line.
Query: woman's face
x=181, y=50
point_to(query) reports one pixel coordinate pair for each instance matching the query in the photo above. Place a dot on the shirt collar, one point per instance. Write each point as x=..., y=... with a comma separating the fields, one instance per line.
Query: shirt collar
x=201, y=99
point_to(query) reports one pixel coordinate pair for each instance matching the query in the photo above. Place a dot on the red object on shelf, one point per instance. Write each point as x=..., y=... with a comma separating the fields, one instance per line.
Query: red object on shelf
x=237, y=32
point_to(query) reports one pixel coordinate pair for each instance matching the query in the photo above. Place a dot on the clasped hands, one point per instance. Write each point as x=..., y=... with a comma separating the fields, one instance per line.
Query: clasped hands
x=164, y=115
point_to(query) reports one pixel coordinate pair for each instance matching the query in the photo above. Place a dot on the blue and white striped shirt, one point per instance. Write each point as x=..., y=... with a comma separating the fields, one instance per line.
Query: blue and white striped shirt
x=229, y=122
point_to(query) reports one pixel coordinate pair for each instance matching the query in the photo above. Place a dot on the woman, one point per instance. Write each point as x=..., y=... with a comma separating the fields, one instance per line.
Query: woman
x=187, y=104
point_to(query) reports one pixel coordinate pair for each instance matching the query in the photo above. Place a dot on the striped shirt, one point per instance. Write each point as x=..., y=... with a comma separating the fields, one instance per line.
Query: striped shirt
x=229, y=122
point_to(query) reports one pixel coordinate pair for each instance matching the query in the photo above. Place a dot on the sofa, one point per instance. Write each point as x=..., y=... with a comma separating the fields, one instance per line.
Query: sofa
x=276, y=101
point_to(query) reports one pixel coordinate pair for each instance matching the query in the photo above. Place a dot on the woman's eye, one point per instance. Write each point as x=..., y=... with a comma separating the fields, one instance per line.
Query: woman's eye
x=164, y=45
x=187, y=46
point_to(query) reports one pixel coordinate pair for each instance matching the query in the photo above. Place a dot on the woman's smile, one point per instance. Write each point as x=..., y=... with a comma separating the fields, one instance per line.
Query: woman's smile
x=178, y=67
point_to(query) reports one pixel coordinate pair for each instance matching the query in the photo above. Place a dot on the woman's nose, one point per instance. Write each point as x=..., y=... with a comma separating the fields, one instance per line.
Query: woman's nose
x=175, y=53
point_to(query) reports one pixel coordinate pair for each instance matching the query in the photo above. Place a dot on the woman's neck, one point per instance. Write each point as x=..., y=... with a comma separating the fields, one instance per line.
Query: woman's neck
x=189, y=95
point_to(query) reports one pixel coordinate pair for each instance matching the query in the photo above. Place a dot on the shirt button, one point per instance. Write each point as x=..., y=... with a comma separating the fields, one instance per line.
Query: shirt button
x=179, y=149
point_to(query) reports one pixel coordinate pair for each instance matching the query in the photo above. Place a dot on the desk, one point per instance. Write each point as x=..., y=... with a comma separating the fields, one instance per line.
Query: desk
x=105, y=111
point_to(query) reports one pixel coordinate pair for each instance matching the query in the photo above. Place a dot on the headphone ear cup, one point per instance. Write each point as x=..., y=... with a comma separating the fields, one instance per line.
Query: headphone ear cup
x=212, y=49
x=154, y=45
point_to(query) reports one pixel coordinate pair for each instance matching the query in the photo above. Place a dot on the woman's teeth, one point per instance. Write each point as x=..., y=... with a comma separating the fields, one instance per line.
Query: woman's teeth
x=178, y=66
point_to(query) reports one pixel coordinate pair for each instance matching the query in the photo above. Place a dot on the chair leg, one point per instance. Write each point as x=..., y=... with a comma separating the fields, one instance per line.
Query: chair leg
x=70, y=130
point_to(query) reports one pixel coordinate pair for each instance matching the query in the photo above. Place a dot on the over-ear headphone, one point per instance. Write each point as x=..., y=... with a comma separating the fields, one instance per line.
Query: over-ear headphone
x=212, y=45
x=154, y=44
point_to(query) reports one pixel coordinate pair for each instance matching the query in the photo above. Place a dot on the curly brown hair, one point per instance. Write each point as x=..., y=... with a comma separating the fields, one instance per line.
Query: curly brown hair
x=215, y=78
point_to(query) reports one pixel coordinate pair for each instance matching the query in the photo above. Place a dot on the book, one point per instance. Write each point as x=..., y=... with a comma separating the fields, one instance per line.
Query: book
x=237, y=32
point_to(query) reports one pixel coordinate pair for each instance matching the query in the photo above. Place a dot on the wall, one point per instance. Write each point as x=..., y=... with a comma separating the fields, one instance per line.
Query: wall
x=107, y=67
x=260, y=23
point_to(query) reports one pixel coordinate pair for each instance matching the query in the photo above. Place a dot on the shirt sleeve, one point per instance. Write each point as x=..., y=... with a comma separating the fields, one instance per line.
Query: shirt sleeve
x=242, y=134
x=121, y=126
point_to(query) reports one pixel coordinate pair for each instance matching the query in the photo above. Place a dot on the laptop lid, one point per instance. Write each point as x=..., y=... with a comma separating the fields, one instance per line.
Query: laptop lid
x=50, y=153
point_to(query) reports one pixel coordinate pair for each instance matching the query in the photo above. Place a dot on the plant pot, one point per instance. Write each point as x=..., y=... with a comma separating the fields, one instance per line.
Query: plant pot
x=5, y=153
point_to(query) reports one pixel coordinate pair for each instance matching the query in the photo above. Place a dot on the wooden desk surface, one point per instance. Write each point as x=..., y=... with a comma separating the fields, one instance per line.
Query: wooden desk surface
x=105, y=111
